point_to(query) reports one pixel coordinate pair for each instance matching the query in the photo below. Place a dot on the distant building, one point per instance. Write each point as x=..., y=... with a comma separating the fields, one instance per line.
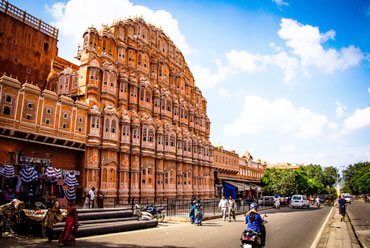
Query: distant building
x=284, y=166
x=237, y=176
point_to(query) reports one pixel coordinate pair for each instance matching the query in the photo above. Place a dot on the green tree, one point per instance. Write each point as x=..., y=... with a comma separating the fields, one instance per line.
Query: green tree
x=354, y=176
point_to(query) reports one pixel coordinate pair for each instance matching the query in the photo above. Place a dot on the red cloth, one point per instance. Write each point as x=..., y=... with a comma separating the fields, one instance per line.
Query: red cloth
x=70, y=228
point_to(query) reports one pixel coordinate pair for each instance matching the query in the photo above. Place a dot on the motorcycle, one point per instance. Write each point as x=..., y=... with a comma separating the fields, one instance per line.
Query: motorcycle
x=318, y=204
x=251, y=238
x=150, y=213
x=277, y=205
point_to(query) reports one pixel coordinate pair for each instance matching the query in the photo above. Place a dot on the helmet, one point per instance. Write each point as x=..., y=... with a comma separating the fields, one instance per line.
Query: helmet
x=253, y=205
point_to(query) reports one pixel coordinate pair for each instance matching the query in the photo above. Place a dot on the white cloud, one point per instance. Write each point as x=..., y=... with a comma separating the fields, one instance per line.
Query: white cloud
x=289, y=148
x=251, y=63
x=204, y=79
x=340, y=109
x=332, y=125
x=305, y=42
x=72, y=21
x=359, y=119
x=277, y=117
x=368, y=90
x=280, y=2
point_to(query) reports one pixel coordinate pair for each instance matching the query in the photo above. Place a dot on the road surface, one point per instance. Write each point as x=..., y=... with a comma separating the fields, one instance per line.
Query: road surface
x=286, y=228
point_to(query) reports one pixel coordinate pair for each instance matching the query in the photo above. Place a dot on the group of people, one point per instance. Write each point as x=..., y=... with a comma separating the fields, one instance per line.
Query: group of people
x=68, y=236
x=228, y=206
x=54, y=215
x=90, y=199
x=196, y=213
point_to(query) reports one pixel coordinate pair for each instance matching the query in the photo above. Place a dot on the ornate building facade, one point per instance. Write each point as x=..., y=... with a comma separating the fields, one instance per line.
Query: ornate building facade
x=130, y=109
x=239, y=175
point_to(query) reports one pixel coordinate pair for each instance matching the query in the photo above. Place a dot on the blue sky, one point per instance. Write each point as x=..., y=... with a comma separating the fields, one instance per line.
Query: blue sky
x=289, y=81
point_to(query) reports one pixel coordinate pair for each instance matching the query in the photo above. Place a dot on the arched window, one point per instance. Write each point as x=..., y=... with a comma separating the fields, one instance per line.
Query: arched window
x=6, y=111
x=93, y=122
x=172, y=140
x=113, y=127
x=123, y=130
x=8, y=99
x=142, y=94
x=166, y=139
x=163, y=103
x=169, y=105
x=151, y=135
x=107, y=125
x=147, y=96
x=144, y=134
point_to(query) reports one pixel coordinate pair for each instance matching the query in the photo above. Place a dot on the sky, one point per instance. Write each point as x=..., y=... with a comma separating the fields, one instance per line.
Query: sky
x=288, y=81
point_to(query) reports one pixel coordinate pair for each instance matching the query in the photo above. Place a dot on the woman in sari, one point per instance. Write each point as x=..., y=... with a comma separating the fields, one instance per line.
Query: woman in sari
x=198, y=213
x=71, y=226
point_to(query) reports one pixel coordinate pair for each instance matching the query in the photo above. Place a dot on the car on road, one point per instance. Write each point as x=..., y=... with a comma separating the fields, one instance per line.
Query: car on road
x=300, y=201
x=347, y=197
x=266, y=201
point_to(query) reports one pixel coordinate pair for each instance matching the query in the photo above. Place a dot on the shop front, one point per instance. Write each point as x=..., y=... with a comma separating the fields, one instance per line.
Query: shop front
x=31, y=172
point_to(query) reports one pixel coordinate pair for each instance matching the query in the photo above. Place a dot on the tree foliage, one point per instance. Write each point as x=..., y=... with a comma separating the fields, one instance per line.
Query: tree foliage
x=310, y=179
x=357, y=178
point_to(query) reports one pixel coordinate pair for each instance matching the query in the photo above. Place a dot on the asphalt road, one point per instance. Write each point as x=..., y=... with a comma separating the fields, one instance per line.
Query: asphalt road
x=285, y=228
x=359, y=213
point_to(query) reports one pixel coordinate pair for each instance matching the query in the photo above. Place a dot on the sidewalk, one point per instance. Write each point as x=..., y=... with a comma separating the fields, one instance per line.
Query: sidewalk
x=337, y=234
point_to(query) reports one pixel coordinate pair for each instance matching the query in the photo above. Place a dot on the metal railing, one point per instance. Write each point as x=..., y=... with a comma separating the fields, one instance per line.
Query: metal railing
x=28, y=19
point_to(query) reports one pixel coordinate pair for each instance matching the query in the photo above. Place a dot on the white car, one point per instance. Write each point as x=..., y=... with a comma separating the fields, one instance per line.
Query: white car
x=347, y=198
x=300, y=201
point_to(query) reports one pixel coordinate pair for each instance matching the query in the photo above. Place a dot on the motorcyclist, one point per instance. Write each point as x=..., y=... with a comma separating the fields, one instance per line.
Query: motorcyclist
x=318, y=201
x=277, y=201
x=255, y=222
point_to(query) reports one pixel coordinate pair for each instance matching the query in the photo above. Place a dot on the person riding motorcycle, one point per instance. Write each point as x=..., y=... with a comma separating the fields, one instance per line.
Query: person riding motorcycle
x=318, y=204
x=255, y=222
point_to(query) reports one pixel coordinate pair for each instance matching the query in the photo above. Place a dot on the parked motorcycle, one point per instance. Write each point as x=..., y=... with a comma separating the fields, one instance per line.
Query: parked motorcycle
x=150, y=213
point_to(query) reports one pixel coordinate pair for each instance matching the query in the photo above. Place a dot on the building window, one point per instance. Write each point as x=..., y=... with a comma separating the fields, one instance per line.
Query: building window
x=113, y=126
x=47, y=121
x=29, y=106
x=65, y=115
x=6, y=111
x=8, y=99
x=144, y=134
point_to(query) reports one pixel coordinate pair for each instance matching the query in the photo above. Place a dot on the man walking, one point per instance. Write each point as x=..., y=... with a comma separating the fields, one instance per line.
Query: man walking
x=223, y=205
x=92, y=197
x=232, y=208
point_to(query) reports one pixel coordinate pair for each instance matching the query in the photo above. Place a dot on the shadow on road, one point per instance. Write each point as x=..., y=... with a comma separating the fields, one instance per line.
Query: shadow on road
x=28, y=243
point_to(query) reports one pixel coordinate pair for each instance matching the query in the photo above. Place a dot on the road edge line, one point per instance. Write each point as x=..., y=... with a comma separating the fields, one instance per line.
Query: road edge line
x=318, y=236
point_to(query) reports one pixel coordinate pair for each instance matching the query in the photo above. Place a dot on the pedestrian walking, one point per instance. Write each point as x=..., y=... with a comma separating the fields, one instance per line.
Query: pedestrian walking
x=192, y=212
x=68, y=236
x=87, y=202
x=100, y=200
x=52, y=217
x=92, y=197
x=223, y=205
x=342, y=207
x=232, y=208
x=198, y=213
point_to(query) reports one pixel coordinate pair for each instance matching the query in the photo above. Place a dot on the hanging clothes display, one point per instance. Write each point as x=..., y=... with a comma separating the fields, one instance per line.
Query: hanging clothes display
x=71, y=181
x=58, y=173
x=28, y=174
x=8, y=171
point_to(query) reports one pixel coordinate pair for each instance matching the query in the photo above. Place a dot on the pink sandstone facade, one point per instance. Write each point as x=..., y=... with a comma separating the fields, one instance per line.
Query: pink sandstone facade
x=129, y=117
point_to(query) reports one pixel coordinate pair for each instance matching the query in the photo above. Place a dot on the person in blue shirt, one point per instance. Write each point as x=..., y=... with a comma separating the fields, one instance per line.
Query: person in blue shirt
x=342, y=207
x=255, y=222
